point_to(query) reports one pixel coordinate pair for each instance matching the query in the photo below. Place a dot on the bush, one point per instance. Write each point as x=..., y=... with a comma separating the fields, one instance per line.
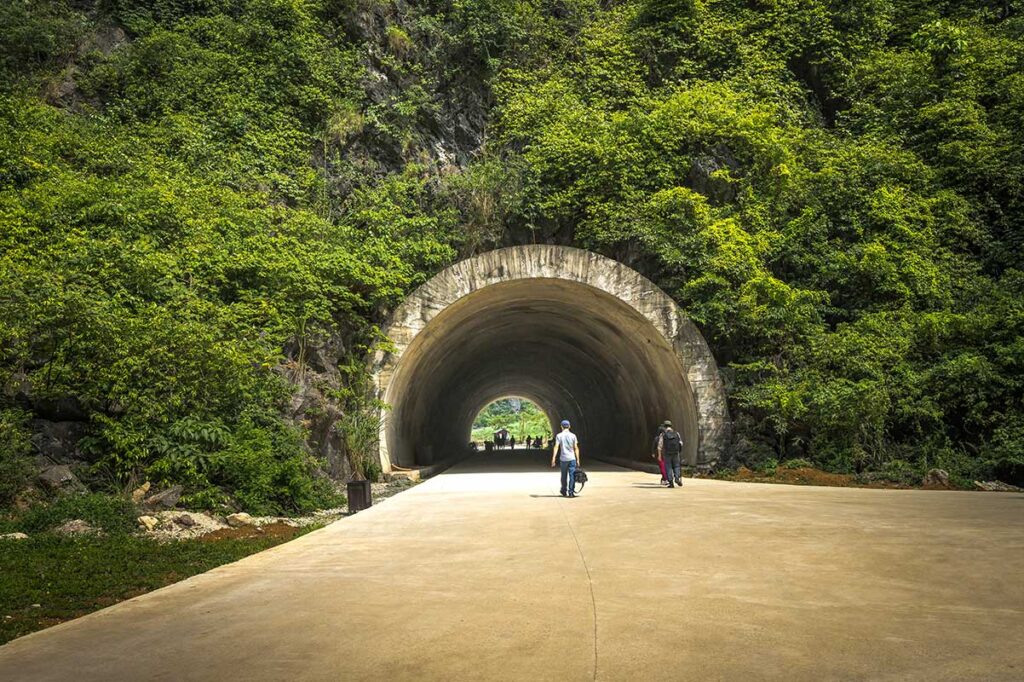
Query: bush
x=797, y=463
x=1005, y=456
x=15, y=463
x=900, y=471
x=267, y=471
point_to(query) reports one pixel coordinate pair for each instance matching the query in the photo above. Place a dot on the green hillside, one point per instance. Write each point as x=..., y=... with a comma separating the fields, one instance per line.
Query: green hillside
x=208, y=206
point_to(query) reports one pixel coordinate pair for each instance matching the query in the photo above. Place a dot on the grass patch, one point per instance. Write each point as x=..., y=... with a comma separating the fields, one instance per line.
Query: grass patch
x=106, y=512
x=70, y=577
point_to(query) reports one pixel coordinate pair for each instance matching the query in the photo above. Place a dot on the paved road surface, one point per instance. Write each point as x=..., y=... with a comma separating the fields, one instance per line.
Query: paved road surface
x=486, y=573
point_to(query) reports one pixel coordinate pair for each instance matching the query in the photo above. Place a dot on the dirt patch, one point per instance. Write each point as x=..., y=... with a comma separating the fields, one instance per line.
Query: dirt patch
x=277, y=531
x=807, y=476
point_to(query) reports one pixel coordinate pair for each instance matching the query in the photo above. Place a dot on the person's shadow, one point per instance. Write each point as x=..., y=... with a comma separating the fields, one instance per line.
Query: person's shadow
x=546, y=495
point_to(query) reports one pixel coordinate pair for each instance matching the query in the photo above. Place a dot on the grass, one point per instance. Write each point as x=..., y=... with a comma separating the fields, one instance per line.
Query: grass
x=49, y=579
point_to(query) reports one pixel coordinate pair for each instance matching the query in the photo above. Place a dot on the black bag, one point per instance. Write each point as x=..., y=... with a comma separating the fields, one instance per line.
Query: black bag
x=671, y=442
x=579, y=479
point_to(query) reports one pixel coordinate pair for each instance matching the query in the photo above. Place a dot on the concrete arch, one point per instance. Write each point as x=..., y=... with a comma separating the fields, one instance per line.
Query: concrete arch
x=583, y=336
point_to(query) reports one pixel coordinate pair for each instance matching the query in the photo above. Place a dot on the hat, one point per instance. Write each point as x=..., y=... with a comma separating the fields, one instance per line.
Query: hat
x=666, y=423
x=565, y=423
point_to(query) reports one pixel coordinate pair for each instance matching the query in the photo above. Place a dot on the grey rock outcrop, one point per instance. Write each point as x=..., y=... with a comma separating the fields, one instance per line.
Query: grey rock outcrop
x=166, y=498
x=59, y=477
x=936, y=478
x=56, y=442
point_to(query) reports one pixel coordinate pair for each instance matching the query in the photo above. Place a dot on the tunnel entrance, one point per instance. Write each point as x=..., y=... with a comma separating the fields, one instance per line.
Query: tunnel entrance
x=584, y=337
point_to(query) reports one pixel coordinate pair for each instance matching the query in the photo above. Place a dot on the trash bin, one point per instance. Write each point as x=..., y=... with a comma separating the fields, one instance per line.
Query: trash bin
x=359, y=496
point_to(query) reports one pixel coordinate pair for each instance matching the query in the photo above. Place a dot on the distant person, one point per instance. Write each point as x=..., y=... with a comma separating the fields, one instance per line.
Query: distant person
x=654, y=453
x=670, y=449
x=567, y=451
x=512, y=442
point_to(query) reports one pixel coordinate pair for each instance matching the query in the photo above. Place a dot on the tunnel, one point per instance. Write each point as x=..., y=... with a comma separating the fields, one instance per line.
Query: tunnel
x=584, y=337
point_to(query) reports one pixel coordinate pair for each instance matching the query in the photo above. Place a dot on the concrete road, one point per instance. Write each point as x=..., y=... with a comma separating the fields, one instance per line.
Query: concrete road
x=486, y=573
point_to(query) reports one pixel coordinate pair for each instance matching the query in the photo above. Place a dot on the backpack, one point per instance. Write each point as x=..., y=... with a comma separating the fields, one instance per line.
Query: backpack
x=671, y=442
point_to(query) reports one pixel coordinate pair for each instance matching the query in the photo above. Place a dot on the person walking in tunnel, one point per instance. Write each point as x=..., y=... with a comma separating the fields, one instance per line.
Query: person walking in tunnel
x=567, y=450
x=670, y=449
x=512, y=442
x=654, y=453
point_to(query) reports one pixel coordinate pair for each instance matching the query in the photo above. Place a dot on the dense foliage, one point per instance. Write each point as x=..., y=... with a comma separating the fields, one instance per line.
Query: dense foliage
x=519, y=416
x=195, y=194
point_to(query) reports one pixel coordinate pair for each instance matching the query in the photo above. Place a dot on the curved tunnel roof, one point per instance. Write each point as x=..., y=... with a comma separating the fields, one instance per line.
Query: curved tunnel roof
x=584, y=337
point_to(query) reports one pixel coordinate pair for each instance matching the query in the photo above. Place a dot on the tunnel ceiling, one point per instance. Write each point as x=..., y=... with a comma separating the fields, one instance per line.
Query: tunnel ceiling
x=584, y=337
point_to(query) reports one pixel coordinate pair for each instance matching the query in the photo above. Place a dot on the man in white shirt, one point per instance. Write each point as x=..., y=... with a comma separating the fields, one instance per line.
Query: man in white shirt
x=567, y=450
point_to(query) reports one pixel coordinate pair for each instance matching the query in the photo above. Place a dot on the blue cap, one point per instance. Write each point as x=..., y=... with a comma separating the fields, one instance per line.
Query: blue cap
x=565, y=422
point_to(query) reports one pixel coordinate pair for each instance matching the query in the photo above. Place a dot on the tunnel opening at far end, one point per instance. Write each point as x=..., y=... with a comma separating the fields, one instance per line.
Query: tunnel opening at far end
x=583, y=337
x=512, y=421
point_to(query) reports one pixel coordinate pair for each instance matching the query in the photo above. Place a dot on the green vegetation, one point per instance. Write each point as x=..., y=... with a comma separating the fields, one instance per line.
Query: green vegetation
x=197, y=197
x=70, y=577
x=107, y=513
x=521, y=417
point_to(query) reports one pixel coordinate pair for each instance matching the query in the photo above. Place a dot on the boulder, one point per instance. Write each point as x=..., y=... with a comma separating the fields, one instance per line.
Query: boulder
x=76, y=527
x=239, y=519
x=58, y=477
x=13, y=536
x=185, y=520
x=936, y=478
x=167, y=498
x=140, y=493
x=148, y=522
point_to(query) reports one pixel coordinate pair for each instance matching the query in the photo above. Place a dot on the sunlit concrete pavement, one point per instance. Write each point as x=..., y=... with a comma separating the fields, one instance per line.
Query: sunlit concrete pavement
x=486, y=573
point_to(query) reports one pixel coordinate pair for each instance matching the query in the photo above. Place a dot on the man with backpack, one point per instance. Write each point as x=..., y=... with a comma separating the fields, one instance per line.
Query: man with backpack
x=670, y=450
x=654, y=453
x=567, y=450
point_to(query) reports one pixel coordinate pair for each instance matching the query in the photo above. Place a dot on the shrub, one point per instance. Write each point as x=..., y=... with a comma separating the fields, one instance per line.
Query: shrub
x=15, y=463
x=797, y=463
x=900, y=471
x=267, y=471
x=1005, y=456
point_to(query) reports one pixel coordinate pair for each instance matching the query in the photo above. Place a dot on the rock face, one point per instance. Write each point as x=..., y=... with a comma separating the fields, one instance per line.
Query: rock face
x=59, y=477
x=598, y=344
x=311, y=407
x=239, y=519
x=56, y=442
x=936, y=478
x=166, y=499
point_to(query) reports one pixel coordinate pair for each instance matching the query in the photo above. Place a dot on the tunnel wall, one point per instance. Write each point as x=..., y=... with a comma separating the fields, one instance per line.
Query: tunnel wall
x=583, y=336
